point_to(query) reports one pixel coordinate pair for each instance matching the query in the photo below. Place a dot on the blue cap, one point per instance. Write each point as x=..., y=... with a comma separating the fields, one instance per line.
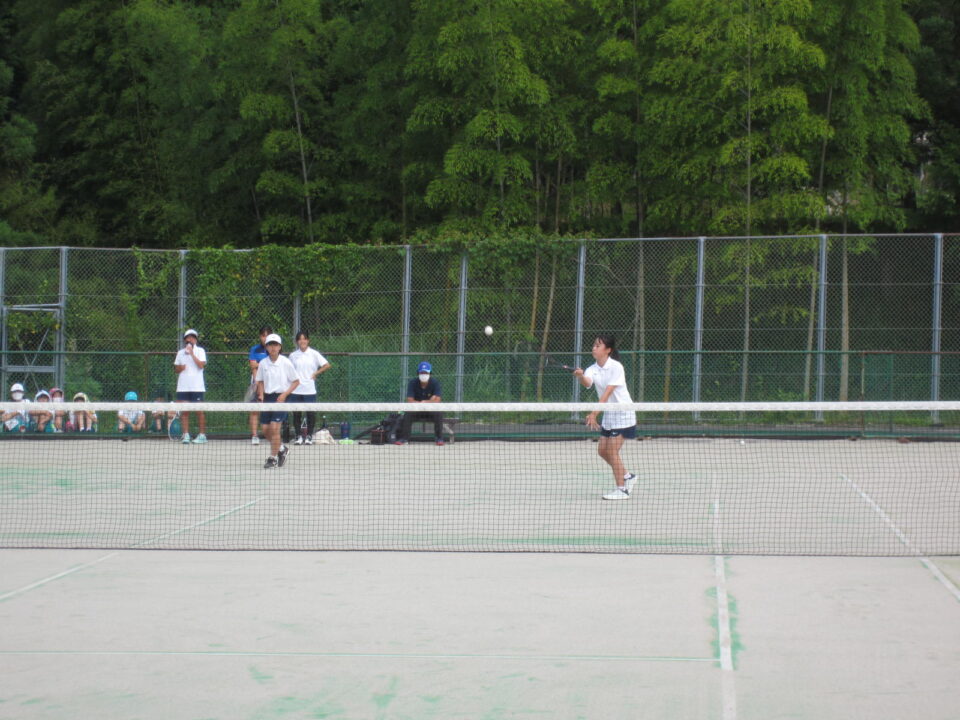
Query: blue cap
x=424, y=367
x=131, y=396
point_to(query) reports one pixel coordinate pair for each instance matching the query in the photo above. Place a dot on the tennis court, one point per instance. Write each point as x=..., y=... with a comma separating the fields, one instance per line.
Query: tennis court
x=148, y=579
x=160, y=634
x=696, y=495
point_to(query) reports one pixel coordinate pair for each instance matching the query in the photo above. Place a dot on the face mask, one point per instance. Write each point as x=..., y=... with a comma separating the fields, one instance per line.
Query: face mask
x=423, y=377
x=58, y=399
x=17, y=396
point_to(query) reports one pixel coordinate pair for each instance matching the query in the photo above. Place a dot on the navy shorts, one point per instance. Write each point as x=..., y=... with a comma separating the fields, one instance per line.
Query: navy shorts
x=274, y=416
x=190, y=397
x=627, y=433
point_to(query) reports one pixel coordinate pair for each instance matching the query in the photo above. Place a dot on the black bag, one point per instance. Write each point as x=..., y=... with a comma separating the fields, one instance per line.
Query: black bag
x=390, y=427
x=378, y=436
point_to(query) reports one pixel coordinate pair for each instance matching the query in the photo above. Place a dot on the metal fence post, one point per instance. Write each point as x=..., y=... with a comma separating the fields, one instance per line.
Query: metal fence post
x=461, y=327
x=59, y=364
x=3, y=319
x=182, y=297
x=937, y=322
x=297, y=302
x=405, y=321
x=578, y=315
x=821, y=323
x=698, y=322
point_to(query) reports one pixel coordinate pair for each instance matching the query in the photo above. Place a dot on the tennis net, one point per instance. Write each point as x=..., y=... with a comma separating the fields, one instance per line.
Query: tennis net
x=733, y=478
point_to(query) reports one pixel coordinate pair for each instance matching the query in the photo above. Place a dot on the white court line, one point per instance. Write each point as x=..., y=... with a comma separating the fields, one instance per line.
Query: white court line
x=39, y=583
x=927, y=562
x=724, y=633
x=196, y=525
x=332, y=654
x=44, y=581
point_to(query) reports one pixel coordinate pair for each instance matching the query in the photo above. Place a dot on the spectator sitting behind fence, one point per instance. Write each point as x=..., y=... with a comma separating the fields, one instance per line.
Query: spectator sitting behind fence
x=41, y=419
x=15, y=420
x=132, y=420
x=56, y=396
x=161, y=419
x=82, y=420
x=422, y=389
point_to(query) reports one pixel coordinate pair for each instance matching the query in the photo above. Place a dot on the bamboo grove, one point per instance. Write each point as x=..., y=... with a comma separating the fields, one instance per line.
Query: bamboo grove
x=204, y=123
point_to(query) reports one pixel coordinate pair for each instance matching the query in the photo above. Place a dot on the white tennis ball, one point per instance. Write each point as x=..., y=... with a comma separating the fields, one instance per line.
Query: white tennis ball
x=488, y=331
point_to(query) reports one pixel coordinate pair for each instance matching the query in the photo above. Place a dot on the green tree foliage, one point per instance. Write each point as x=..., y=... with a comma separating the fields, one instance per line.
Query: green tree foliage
x=866, y=92
x=193, y=123
x=274, y=59
x=734, y=113
x=937, y=135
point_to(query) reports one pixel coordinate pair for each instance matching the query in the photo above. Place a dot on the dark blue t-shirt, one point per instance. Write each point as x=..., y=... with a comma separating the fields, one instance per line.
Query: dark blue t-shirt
x=418, y=392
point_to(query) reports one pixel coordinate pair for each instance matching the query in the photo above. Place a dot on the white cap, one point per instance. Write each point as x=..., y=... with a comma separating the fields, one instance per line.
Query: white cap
x=273, y=337
x=16, y=387
x=190, y=332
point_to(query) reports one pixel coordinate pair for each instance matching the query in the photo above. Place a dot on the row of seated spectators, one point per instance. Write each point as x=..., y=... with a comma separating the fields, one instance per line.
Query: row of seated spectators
x=45, y=417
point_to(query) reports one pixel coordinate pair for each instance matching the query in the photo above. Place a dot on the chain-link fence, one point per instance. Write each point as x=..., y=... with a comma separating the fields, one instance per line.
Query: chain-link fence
x=711, y=319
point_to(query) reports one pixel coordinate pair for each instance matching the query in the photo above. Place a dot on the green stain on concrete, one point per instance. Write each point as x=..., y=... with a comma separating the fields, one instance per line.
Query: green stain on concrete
x=319, y=706
x=259, y=676
x=383, y=700
x=735, y=645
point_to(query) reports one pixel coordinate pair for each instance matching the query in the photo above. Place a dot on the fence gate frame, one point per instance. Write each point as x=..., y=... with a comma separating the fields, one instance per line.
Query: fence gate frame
x=59, y=312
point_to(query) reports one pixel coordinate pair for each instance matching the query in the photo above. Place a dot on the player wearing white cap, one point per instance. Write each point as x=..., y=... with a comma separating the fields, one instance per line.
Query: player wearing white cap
x=189, y=364
x=276, y=379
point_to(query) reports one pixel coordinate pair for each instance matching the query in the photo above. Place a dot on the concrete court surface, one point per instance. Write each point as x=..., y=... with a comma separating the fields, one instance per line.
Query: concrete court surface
x=258, y=635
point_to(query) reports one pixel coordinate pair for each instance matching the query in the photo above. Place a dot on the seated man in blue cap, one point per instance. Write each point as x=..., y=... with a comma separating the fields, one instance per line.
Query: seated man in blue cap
x=422, y=389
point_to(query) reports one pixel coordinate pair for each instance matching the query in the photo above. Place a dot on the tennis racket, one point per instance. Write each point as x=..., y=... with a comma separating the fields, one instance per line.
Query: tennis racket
x=550, y=361
x=251, y=394
x=174, y=429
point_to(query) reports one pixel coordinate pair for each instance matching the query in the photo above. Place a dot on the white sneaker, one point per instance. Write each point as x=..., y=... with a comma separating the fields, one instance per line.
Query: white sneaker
x=629, y=482
x=185, y=439
x=299, y=440
x=619, y=493
x=308, y=440
x=254, y=440
x=200, y=439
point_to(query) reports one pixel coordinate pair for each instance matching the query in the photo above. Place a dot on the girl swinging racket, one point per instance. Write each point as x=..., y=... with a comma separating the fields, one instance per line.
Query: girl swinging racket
x=608, y=377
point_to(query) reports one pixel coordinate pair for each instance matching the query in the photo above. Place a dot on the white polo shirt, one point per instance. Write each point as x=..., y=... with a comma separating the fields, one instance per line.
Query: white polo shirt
x=276, y=376
x=306, y=364
x=612, y=374
x=191, y=379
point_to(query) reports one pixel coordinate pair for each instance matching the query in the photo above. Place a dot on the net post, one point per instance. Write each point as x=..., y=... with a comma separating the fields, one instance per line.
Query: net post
x=698, y=324
x=821, y=324
x=937, y=324
x=461, y=327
